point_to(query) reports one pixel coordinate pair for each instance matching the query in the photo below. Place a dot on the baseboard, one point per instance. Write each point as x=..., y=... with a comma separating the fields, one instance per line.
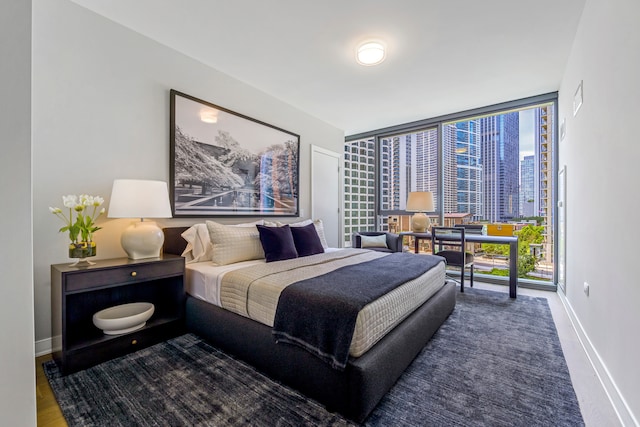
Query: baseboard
x=43, y=347
x=618, y=402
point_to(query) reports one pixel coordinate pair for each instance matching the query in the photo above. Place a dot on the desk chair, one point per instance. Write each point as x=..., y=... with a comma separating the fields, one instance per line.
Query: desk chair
x=449, y=243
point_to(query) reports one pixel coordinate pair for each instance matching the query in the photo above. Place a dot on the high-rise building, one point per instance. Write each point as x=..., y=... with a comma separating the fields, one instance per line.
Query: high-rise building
x=412, y=166
x=527, y=187
x=424, y=174
x=463, y=165
x=450, y=194
x=500, y=155
x=399, y=171
x=544, y=128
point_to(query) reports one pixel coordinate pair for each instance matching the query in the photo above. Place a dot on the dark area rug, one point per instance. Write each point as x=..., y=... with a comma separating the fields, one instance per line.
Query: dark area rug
x=494, y=362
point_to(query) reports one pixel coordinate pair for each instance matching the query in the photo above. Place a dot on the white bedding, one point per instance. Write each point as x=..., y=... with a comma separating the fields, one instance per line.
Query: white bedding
x=204, y=278
x=373, y=322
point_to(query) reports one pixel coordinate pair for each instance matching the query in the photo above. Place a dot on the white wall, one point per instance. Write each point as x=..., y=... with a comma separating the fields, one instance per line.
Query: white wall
x=101, y=111
x=17, y=374
x=601, y=151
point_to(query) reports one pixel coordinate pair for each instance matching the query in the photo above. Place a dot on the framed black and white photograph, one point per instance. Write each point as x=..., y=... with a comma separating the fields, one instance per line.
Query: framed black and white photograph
x=223, y=163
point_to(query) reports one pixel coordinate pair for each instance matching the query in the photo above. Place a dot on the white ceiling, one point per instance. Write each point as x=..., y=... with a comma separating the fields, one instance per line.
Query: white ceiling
x=444, y=56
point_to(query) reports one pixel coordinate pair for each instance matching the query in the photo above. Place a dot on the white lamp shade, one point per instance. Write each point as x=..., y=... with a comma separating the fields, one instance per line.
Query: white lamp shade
x=420, y=201
x=136, y=198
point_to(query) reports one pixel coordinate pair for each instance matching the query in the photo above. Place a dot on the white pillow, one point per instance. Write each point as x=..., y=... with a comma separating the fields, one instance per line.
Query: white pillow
x=298, y=224
x=373, y=241
x=198, y=244
x=319, y=229
x=234, y=244
x=199, y=247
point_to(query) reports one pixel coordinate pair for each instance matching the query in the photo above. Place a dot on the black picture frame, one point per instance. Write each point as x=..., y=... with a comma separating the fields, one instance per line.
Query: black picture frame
x=223, y=163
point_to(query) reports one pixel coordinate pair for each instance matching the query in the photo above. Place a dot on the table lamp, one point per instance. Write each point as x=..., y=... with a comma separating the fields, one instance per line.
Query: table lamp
x=420, y=202
x=135, y=198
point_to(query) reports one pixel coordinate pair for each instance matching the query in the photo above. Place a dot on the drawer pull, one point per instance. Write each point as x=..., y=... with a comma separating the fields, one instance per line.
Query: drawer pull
x=134, y=274
x=134, y=342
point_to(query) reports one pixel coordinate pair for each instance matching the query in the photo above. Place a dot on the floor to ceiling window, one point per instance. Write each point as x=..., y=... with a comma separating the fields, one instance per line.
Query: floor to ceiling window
x=489, y=167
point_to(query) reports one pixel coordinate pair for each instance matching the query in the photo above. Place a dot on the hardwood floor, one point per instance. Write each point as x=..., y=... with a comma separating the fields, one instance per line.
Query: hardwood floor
x=49, y=414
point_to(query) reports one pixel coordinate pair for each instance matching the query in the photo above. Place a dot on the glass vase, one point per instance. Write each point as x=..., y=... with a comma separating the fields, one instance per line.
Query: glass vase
x=82, y=251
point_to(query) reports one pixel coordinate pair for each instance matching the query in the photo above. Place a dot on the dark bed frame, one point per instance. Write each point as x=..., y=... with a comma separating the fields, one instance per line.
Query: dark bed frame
x=353, y=392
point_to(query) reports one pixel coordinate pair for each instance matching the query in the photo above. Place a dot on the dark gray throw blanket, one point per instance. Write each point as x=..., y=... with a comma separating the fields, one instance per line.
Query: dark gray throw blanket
x=319, y=314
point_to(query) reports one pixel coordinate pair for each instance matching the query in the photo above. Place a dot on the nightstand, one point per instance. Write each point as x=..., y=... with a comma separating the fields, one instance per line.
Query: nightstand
x=79, y=292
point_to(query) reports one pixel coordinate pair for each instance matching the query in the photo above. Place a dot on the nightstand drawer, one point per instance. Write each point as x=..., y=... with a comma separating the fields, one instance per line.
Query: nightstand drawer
x=122, y=275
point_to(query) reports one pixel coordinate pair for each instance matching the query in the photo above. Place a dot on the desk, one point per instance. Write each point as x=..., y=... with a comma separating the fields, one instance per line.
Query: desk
x=512, y=241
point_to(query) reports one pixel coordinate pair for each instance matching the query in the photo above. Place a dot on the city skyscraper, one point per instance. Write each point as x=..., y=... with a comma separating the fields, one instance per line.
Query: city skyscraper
x=424, y=176
x=527, y=186
x=462, y=147
x=500, y=156
x=399, y=169
x=412, y=166
x=543, y=174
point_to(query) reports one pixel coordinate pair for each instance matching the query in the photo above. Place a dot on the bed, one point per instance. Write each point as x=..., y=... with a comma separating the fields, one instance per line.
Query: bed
x=371, y=369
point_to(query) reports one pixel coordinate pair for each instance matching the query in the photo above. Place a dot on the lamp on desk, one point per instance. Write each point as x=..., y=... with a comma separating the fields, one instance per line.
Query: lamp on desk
x=135, y=198
x=420, y=202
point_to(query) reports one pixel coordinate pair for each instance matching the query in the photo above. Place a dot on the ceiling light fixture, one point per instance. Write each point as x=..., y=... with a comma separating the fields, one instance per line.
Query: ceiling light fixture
x=370, y=53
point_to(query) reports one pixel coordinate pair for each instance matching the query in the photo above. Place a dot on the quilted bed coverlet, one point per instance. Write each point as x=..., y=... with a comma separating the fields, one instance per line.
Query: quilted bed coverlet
x=254, y=292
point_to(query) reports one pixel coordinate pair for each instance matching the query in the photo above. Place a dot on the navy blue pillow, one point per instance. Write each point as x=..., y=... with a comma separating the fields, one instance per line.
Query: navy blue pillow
x=307, y=240
x=277, y=243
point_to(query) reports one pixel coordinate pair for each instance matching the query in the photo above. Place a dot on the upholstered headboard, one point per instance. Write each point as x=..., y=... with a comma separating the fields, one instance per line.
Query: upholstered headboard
x=174, y=243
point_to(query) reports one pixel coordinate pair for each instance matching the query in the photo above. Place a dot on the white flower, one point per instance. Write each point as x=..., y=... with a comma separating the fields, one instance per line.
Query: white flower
x=83, y=225
x=86, y=200
x=70, y=201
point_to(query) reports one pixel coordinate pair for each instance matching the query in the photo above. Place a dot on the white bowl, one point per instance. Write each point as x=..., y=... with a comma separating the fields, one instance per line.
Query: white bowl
x=123, y=318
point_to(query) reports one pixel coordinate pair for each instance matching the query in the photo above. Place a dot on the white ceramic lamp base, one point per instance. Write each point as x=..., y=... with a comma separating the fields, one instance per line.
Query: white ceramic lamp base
x=420, y=222
x=142, y=239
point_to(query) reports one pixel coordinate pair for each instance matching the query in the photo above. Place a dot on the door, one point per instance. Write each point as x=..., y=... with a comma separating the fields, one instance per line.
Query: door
x=562, y=228
x=326, y=192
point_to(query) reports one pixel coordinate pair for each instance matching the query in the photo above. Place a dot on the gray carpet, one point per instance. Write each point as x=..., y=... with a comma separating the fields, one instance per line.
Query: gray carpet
x=495, y=362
